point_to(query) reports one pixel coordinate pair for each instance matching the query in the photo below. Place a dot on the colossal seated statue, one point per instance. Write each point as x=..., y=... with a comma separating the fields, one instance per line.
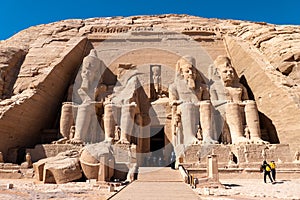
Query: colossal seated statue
x=241, y=115
x=86, y=124
x=125, y=100
x=191, y=108
x=91, y=95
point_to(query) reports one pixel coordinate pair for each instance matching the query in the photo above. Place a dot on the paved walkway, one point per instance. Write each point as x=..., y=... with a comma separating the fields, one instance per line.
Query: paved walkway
x=157, y=183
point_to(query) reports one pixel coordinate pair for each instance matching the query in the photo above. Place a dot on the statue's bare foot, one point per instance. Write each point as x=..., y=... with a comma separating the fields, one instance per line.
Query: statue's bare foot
x=257, y=140
x=75, y=141
x=109, y=139
x=60, y=141
x=123, y=141
x=241, y=140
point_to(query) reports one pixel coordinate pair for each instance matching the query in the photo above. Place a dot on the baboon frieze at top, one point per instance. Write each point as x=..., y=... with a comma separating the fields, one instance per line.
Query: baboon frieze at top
x=152, y=81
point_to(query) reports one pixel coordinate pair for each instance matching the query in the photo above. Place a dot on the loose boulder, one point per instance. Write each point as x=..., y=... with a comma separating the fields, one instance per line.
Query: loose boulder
x=62, y=168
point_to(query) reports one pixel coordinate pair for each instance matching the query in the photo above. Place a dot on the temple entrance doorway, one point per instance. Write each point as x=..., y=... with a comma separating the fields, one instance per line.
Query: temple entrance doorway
x=157, y=144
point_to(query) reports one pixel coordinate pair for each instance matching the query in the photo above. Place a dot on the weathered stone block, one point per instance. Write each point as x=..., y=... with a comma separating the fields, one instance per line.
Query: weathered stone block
x=62, y=168
x=62, y=171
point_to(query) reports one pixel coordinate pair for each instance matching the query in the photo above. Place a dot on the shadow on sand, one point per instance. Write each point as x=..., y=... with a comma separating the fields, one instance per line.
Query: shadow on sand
x=231, y=185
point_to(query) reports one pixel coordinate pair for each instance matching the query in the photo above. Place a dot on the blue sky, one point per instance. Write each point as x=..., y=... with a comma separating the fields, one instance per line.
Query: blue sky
x=16, y=15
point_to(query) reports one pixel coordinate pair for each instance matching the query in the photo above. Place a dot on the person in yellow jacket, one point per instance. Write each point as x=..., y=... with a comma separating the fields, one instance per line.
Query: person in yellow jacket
x=273, y=169
x=267, y=170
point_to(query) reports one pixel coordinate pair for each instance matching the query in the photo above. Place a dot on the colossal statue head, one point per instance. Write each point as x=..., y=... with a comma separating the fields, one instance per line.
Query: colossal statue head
x=225, y=69
x=186, y=70
x=88, y=68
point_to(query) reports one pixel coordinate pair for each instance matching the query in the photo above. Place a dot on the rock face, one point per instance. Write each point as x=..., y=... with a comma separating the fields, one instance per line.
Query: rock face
x=38, y=65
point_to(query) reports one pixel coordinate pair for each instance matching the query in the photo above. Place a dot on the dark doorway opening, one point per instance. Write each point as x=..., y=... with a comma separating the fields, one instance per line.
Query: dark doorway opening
x=157, y=139
x=157, y=144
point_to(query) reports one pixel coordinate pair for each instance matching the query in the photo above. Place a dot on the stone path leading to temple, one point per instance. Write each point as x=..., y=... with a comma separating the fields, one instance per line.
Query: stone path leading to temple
x=157, y=183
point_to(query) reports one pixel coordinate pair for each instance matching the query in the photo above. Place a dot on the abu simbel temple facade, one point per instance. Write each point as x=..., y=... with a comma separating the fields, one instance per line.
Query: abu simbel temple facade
x=100, y=98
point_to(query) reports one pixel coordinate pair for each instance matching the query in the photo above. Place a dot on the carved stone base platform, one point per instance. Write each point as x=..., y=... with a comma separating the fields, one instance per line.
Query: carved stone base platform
x=248, y=173
x=243, y=162
x=49, y=150
x=242, y=155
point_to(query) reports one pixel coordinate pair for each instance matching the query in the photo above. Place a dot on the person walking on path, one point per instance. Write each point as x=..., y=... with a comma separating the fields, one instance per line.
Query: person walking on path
x=267, y=171
x=273, y=169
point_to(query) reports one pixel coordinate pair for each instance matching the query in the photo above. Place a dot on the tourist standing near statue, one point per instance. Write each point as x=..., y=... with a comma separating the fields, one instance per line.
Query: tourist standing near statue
x=273, y=169
x=267, y=171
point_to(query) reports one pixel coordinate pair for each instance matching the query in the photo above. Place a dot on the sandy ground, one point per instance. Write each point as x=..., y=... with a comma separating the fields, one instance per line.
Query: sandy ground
x=24, y=189
x=238, y=189
x=253, y=189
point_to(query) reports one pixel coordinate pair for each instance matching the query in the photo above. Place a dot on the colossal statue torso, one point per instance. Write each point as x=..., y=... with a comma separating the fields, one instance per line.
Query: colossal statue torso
x=179, y=90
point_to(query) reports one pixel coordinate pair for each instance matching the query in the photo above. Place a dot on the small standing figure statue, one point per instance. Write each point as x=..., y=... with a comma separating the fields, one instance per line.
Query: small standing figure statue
x=72, y=132
x=246, y=153
x=264, y=154
x=117, y=133
x=297, y=156
x=198, y=154
x=178, y=137
x=1, y=157
x=28, y=160
x=231, y=160
x=247, y=132
x=156, y=79
x=199, y=133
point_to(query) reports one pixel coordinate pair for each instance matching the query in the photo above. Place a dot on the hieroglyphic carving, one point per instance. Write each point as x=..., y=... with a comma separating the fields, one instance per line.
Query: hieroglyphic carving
x=118, y=29
x=203, y=33
x=104, y=29
x=202, y=28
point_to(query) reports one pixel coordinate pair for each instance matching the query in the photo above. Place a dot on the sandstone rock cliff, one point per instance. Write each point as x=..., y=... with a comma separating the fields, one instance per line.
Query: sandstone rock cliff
x=40, y=63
